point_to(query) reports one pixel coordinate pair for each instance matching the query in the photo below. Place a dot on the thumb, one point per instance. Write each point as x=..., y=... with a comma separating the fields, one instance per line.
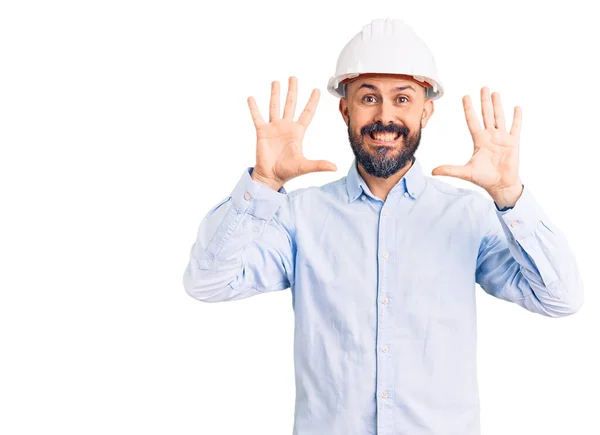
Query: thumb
x=461, y=172
x=308, y=166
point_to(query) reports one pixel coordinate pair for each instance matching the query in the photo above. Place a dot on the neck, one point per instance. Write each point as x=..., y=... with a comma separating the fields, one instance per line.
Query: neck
x=381, y=187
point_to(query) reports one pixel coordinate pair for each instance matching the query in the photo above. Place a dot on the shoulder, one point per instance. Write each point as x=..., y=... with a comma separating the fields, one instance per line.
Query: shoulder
x=474, y=199
x=446, y=188
x=332, y=189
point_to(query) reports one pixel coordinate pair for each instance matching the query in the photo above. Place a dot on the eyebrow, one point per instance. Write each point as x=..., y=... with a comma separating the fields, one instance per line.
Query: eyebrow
x=401, y=88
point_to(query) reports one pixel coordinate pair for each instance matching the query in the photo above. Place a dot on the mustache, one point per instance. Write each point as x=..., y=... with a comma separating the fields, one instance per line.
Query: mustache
x=380, y=128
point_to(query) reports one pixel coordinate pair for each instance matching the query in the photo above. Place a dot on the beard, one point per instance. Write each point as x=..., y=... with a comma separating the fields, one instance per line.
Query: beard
x=384, y=161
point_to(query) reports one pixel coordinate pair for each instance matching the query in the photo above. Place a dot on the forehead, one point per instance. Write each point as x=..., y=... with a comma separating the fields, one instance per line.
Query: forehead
x=382, y=81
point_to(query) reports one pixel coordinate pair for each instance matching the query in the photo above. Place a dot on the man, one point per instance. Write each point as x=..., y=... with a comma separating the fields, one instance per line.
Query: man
x=382, y=263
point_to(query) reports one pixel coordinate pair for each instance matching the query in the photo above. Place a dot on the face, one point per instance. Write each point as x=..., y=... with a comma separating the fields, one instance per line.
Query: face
x=384, y=115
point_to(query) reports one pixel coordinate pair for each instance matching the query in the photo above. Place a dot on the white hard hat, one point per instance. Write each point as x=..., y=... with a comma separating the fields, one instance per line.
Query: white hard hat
x=386, y=47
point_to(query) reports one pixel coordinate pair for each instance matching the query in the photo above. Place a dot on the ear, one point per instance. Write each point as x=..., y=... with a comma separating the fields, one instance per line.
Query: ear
x=428, y=110
x=344, y=109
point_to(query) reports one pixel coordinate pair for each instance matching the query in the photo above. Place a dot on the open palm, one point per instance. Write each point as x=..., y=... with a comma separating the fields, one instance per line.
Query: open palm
x=494, y=165
x=279, y=154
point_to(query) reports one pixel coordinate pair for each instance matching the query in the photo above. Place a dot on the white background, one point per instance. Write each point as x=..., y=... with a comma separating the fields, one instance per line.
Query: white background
x=123, y=122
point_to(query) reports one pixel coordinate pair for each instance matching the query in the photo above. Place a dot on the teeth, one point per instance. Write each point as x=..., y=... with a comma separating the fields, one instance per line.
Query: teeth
x=387, y=137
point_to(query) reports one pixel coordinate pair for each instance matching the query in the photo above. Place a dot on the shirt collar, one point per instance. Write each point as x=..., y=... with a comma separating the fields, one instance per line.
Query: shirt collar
x=413, y=182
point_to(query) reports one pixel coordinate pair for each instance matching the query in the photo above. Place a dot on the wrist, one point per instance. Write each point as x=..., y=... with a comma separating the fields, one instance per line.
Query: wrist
x=508, y=196
x=269, y=182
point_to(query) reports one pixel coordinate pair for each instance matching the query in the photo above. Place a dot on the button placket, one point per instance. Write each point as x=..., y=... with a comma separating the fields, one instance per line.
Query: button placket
x=385, y=369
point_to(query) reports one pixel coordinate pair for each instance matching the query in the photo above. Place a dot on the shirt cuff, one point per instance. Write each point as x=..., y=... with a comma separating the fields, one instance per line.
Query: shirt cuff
x=523, y=218
x=256, y=198
x=502, y=209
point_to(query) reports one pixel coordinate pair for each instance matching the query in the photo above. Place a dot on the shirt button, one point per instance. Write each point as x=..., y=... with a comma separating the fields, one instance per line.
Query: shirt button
x=513, y=224
x=385, y=213
x=363, y=197
x=385, y=349
x=385, y=301
x=386, y=255
x=247, y=195
x=406, y=194
x=383, y=394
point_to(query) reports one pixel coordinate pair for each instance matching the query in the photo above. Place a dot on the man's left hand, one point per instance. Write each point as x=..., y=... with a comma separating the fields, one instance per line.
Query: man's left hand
x=494, y=165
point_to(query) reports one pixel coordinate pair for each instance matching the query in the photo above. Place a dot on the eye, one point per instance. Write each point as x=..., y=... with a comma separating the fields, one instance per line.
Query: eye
x=402, y=98
x=368, y=96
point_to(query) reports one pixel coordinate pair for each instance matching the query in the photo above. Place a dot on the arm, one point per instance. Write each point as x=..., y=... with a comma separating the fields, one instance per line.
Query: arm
x=524, y=258
x=244, y=245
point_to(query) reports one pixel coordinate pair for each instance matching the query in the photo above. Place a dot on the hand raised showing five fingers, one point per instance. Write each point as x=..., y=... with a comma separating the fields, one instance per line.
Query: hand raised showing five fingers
x=494, y=165
x=279, y=156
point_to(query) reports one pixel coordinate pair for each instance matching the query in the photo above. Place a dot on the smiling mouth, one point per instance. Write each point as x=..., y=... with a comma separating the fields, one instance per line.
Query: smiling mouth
x=384, y=138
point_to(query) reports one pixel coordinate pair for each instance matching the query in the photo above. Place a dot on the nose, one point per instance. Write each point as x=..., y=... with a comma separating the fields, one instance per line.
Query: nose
x=385, y=114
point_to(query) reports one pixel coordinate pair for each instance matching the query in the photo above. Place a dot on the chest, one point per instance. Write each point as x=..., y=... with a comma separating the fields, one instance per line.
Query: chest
x=423, y=261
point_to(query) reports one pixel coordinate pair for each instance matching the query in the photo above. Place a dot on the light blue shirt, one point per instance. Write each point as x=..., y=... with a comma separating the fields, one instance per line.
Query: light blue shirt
x=383, y=292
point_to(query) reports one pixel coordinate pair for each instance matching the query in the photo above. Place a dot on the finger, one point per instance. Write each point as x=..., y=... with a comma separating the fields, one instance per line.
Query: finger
x=500, y=123
x=486, y=108
x=462, y=172
x=308, y=166
x=290, y=102
x=309, y=111
x=274, y=105
x=515, y=129
x=470, y=116
x=255, y=113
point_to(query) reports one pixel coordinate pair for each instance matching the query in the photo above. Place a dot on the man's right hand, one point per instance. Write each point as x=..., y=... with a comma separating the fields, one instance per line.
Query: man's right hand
x=279, y=155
